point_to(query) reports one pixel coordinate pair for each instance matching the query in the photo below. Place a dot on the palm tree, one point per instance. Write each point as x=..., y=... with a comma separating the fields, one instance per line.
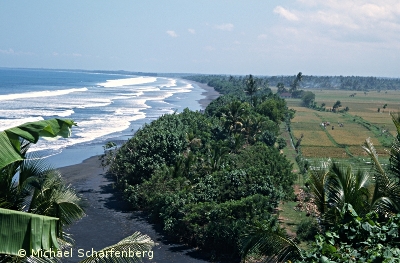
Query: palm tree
x=386, y=189
x=29, y=185
x=253, y=126
x=296, y=82
x=251, y=87
x=35, y=187
x=273, y=244
x=377, y=190
x=136, y=242
x=233, y=117
x=44, y=200
x=336, y=185
x=332, y=186
x=394, y=165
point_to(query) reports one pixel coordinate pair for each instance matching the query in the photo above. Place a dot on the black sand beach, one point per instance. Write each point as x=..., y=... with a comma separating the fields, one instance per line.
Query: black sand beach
x=209, y=93
x=109, y=219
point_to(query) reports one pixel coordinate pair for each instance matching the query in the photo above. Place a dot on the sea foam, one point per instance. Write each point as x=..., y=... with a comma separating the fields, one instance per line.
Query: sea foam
x=127, y=82
x=35, y=94
x=10, y=123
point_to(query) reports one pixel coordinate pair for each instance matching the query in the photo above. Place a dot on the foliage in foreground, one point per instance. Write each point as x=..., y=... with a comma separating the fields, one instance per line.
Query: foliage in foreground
x=119, y=253
x=358, y=239
x=35, y=189
x=359, y=213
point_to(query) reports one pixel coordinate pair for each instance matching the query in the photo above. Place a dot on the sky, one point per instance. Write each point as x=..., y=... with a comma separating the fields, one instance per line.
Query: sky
x=238, y=37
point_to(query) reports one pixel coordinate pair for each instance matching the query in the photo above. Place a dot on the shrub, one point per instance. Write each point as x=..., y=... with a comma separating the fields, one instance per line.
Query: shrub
x=307, y=229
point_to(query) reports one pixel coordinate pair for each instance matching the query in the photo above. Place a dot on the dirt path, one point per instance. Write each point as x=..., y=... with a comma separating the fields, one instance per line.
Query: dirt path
x=288, y=223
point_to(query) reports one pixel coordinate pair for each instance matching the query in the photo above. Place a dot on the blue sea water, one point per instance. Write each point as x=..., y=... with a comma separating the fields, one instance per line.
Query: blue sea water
x=105, y=106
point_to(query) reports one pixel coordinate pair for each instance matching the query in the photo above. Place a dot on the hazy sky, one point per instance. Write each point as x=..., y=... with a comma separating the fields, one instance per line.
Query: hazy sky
x=262, y=37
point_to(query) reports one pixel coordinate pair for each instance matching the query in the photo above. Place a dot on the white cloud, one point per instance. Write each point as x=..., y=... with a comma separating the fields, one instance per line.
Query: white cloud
x=225, y=27
x=262, y=36
x=334, y=19
x=356, y=21
x=285, y=13
x=375, y=11
x=362, y=13
x=192, y=31
x=172, y=33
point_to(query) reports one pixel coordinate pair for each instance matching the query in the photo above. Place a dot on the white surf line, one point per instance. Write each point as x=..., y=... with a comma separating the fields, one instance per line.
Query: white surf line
x=35, y=94
x=126, y=82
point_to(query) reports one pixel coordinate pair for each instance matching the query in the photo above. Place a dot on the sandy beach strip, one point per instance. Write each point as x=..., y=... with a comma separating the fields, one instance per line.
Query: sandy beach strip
x=209, y=93
x=109, y=218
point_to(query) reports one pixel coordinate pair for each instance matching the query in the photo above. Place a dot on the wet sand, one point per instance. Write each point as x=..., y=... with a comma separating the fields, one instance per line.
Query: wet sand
x=209, y=93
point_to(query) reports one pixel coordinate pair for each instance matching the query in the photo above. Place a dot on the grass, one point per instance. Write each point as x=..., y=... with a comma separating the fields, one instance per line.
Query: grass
x=289, y=151
x=289, y=217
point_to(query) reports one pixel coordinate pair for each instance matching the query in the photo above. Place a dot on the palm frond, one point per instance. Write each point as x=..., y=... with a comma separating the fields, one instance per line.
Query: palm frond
x=386, y=196
x=125, y=250
x=395, y=149
x=370, y=150
x=42, y=260
x=317, y=180
x=52, y=197
x=273, y=245
x=347, y=186
x=396, y=122
x=395, y=159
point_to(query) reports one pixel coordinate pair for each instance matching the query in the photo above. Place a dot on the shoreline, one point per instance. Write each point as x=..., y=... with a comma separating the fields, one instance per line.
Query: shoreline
x=77, y=153
x=209, y=92
x=109, y=218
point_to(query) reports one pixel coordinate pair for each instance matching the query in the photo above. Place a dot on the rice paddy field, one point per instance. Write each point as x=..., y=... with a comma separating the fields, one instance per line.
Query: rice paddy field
x=346, y=132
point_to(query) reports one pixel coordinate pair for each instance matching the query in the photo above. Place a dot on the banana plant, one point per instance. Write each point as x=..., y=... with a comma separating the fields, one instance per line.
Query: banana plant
x=10, y=139
x=23, y=231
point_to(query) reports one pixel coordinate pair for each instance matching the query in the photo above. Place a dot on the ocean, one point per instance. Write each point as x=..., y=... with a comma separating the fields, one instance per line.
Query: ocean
x=105, y=106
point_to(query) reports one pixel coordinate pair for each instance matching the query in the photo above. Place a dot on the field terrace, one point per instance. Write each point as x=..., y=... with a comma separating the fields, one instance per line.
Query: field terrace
x=361, y=121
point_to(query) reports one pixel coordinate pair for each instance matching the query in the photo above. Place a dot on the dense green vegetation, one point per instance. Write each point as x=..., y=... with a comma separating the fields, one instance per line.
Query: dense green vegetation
x=36, y=204
x=214, y=180
x=356, y=83
x=357, y=238
x=206, y=178
x=357, y=214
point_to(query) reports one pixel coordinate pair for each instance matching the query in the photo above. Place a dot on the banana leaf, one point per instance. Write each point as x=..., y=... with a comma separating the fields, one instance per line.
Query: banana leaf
x=26, y=231
x=10, y=145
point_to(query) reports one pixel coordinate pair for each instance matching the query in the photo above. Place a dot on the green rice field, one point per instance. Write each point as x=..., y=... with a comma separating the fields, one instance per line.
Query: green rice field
x=347, y=131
